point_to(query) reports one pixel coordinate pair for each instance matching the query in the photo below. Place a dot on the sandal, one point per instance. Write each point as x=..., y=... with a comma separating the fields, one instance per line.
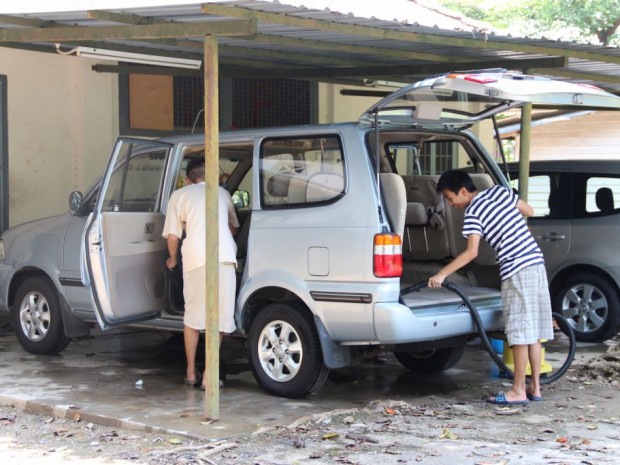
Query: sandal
x=197, y=381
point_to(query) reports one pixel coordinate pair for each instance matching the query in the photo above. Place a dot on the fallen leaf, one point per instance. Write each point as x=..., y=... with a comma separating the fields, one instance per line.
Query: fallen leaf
x=390, y=411
x=175, y=441
x=330, y=436
x=447, y=434
x=562, y=440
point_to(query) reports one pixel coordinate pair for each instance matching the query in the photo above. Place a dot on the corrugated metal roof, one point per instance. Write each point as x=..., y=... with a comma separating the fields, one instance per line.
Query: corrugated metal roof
x=298, y=42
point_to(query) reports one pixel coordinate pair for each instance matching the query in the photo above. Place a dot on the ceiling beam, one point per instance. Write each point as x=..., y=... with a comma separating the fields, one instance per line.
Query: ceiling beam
x=568, y=73
x=320, y=45
x=411, y=69
x=131, y=32
x=480, y=41
x=24, y=22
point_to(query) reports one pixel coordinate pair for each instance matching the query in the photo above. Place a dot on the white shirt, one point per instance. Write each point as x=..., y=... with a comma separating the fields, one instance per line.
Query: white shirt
x=186, y=211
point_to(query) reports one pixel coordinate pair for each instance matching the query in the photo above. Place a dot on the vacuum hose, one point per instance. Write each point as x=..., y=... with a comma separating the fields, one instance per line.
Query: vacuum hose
x=561, y=322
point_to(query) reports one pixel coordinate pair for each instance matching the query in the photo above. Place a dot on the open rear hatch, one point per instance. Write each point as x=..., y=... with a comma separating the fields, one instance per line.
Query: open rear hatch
x=461, y=99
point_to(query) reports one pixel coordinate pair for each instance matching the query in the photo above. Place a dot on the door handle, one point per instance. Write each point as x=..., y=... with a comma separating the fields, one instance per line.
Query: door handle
x=553, y=237
x=149, y=228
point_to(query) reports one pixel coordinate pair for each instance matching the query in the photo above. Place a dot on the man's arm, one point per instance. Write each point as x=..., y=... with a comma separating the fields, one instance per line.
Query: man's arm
x=462, y=259
x=172, y=242
x=525, y=208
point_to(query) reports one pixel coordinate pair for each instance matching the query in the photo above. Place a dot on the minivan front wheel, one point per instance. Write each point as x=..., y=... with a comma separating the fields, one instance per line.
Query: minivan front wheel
x=37, y=319
x=591, y=305
x=285, y=352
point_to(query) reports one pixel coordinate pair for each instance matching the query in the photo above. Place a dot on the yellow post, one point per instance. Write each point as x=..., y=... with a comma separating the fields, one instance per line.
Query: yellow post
x=212, y=337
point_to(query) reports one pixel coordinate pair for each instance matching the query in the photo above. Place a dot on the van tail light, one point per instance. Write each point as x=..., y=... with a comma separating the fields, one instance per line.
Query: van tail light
x=388, y=256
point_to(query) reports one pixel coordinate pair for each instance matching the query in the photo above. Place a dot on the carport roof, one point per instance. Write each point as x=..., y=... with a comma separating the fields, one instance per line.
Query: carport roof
x=266, y=39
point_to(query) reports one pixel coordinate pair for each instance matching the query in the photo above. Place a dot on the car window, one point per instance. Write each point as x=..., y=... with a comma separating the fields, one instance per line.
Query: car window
x=297, y=172
x=135, y=182
x=428, y=158
x=538, y=194
x=602, y=195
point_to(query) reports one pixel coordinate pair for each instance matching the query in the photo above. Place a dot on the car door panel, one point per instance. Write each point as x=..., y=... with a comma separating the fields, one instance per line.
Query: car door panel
x=123, y=251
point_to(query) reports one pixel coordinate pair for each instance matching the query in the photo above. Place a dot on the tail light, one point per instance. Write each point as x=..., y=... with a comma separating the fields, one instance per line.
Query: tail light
x=388, y=256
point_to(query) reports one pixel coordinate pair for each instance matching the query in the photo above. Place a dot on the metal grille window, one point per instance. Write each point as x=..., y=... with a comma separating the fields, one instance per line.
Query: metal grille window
x=188, y=102
x=437, y=157
x=270, y=102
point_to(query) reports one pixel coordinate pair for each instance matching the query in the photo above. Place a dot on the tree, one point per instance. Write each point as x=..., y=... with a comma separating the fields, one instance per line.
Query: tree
x=578, y=20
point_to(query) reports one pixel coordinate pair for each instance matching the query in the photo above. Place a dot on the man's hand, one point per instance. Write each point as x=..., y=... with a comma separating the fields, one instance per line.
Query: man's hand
x=171, y=263
x=436, y=280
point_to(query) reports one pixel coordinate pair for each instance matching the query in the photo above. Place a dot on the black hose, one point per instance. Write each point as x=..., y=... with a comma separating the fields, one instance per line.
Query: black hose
x=560, y=321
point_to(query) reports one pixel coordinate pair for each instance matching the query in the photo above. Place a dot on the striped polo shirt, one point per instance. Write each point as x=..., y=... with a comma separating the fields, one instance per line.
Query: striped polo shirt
x=493, y=215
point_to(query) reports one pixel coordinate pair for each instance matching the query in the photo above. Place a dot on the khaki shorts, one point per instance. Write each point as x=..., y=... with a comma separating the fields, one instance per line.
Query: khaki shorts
x=195, y=298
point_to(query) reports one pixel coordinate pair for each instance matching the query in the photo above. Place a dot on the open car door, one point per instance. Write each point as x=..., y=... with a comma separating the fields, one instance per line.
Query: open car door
x=461, y=99
x=123, y=252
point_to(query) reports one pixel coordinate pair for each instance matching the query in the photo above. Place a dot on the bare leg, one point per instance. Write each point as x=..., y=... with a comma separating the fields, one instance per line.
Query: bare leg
x=520, y=355
x=204, y=375
x=535, y=356
x=191, y=337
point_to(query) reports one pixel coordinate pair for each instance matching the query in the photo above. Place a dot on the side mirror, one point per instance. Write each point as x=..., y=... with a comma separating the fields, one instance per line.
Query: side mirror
x=241, y=199
x=75, y=202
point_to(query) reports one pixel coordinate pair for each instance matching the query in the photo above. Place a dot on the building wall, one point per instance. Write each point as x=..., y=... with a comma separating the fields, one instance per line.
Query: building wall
x=595, y=135
x=337, y=108
x=62, y=122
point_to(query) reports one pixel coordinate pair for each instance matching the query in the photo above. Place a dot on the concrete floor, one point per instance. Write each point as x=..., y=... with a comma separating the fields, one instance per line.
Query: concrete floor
x=95, y=380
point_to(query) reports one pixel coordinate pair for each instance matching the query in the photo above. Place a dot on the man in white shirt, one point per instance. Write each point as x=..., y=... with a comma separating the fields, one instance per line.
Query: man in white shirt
x=186, y=212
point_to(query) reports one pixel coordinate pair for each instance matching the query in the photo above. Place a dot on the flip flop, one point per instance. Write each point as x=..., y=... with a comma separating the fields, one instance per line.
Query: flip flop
x=500, y=399
x=197, y=381
x=534, y=398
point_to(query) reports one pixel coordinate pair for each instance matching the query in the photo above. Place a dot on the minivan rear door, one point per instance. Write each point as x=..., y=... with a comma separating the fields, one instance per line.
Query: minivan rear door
x=123, y=252
x=458, y=100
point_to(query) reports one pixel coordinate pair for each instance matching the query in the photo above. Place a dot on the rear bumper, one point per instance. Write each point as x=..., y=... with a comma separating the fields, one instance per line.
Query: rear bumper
x=398, y=324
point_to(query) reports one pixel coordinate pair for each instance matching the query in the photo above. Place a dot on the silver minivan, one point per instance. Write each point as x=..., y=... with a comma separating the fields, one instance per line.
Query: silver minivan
x=336, y=220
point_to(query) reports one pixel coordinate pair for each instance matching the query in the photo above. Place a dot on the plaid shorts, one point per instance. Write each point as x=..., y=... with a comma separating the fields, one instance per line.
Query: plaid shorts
x=527, y=306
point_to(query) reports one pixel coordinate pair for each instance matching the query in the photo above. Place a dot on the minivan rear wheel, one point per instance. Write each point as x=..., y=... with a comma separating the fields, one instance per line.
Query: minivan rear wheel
x=285, y=352
x=591, y=305
x=37, y=319
x=430, y=360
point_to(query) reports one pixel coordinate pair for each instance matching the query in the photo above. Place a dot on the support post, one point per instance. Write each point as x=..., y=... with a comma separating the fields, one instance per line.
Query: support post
x=524, y=150
x=212, y=338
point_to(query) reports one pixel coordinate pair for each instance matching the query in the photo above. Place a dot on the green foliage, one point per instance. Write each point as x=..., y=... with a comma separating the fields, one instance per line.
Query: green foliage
x=580, y=20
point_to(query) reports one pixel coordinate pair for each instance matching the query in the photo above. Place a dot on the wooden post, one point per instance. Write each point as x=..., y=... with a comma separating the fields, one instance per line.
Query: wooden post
x=524, y=150
x=212, y=338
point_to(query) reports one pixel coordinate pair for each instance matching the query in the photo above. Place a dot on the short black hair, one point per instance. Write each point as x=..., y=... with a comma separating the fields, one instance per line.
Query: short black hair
x=454, y=181
x=195, y=170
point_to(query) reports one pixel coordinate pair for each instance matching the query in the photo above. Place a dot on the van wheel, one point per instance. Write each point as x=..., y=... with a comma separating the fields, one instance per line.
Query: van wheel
x=431, y=360
x=37, y=319
x=285, y=352
x=591, y=305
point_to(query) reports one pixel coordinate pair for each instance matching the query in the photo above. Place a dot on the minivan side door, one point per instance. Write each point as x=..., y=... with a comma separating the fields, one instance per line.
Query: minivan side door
x=550, y=194
x=123, y=252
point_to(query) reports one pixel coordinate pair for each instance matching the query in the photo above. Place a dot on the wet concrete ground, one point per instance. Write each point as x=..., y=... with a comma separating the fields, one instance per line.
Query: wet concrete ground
x=95, y=380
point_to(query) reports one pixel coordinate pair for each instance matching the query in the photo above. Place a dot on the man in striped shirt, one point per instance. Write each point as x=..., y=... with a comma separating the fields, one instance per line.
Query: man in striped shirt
x=497, y=215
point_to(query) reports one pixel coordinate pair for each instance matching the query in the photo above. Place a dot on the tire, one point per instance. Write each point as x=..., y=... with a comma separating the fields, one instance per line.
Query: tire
x=591, y=305
x=285, y=352
x=37, y=319
x=430, y=360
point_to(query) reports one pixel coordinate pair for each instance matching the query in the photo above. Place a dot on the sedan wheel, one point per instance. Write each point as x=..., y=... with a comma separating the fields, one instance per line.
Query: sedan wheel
x=37, y=318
